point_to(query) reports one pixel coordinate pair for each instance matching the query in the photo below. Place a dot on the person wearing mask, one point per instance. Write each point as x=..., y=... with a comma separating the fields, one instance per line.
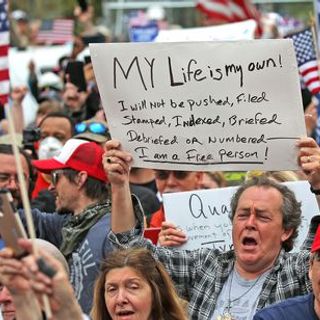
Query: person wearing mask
x=55, y=129
x=80, y=187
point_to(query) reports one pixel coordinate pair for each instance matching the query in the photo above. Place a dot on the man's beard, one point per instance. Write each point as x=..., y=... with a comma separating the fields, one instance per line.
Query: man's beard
x=17, y=199
x=64, y=210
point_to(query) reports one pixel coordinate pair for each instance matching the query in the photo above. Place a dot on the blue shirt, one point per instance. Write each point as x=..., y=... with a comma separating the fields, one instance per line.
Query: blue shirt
x=301, y=307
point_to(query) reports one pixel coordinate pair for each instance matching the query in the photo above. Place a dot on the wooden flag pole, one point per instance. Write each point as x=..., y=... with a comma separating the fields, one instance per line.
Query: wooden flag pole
x=25, y=199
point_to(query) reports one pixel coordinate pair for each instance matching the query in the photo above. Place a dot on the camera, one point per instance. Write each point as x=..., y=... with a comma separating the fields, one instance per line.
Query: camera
x=29, y=137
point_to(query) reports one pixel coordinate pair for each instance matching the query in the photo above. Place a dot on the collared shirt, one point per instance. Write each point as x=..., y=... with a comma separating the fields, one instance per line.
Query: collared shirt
x=199, y=275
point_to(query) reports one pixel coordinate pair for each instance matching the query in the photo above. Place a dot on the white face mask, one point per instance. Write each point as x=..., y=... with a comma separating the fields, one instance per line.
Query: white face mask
x=49, y=147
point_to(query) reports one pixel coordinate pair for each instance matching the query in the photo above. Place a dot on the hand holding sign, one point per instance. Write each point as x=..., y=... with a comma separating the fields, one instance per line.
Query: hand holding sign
x=116, y=162
x=309, y=160
x=170, y=236
x=173, y=105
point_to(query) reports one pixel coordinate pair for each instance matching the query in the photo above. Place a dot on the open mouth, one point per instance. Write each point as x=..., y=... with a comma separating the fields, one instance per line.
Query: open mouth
x=124, y=313
x=249, y=241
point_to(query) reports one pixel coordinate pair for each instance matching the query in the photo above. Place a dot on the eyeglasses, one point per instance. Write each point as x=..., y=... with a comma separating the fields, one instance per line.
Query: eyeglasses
x=164, y=174
x=55, y=176
x=7, y=177
x=94, y=127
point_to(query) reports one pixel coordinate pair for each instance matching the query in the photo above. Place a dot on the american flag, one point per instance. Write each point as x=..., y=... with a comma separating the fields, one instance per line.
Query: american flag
x=58, y=31
x=228, y=11
x=4, y=48
x=307, y=59
x=308, y=66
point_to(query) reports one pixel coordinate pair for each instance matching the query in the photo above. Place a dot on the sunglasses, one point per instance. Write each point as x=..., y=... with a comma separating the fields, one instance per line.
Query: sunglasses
x=93, y=127
x=55, y=176
x=164, y=174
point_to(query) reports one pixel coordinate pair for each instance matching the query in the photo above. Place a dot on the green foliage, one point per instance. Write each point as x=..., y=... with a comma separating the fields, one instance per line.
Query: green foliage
x=46, y=9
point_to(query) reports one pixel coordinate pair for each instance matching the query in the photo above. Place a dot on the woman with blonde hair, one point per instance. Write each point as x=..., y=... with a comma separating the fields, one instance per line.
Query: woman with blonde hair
x=133, y=284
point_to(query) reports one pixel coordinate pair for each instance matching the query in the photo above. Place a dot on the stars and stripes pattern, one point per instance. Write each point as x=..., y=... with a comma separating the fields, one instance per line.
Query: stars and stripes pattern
x=4, y=48
x=308, y=66
x=228, y=11
x=307, y=59
x=58, y=31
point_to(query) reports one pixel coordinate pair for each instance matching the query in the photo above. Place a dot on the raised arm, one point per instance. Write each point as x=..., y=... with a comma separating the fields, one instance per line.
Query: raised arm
x=116, y=163
x=309, y=161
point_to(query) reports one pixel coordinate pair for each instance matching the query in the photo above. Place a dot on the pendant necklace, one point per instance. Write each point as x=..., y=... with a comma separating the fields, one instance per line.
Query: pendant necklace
x=227, y=315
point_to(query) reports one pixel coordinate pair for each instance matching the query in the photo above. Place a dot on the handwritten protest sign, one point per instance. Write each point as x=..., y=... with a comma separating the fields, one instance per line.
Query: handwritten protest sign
x=243, y=30
x=210, y=106
x=204, y=214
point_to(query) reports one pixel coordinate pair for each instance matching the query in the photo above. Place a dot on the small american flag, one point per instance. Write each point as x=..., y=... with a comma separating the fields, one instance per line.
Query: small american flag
x=308, y=66
x=307, y=59
x=58, y=31
x=228, y=11
x=4, y=48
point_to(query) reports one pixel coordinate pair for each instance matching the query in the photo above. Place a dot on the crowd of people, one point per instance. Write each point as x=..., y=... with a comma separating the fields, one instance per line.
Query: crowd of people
x=90, y=209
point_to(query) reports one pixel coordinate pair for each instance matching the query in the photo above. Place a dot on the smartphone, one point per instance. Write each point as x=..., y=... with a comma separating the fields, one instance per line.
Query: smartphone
x=83, y=5
x=74, y=70
x=11, y=228
x=96, y=38
x=87, y=59
x=152, y=234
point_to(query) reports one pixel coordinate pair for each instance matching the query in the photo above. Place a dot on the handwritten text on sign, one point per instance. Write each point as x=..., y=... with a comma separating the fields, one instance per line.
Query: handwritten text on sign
x=204, y=215
x=220, y=105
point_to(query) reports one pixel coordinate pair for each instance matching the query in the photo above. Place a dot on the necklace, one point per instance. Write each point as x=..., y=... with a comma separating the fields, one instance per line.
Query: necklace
x=227, y=315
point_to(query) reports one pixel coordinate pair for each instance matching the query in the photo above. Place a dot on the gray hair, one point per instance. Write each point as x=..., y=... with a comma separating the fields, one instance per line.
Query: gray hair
x=291, y=208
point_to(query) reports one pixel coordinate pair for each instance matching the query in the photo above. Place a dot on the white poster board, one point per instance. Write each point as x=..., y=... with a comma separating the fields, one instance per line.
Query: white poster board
x=229, y=106
x=203, y=215
x=42, y=56
x=243, y=30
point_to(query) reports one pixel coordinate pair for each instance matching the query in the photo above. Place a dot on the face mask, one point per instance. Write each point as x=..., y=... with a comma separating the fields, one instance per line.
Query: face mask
x=49, y=147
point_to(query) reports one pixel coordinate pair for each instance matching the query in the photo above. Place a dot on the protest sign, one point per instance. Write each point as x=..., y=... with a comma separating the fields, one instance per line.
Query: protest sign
x=230, y=106
x=243, y=30
x=204, y=215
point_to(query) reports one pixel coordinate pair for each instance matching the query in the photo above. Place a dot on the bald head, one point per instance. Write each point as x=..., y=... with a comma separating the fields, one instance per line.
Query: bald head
x=53, y=251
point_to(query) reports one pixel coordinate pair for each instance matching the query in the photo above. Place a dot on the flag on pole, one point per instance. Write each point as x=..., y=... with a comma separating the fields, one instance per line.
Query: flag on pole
x=308, y=66
x=307, y=59
x=4, y=48
x=58, y=31
x=229, y=11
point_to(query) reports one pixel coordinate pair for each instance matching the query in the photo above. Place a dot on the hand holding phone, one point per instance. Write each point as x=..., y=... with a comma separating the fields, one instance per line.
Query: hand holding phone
x=75, y=72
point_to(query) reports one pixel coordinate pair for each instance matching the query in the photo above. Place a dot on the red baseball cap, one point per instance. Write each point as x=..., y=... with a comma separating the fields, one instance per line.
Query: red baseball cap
x=316, y=241
x=77, y=154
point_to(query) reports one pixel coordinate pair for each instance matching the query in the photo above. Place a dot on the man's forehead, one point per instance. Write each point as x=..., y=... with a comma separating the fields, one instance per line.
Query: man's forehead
x=257, y=194
x=8, y=163
x=54, y=120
